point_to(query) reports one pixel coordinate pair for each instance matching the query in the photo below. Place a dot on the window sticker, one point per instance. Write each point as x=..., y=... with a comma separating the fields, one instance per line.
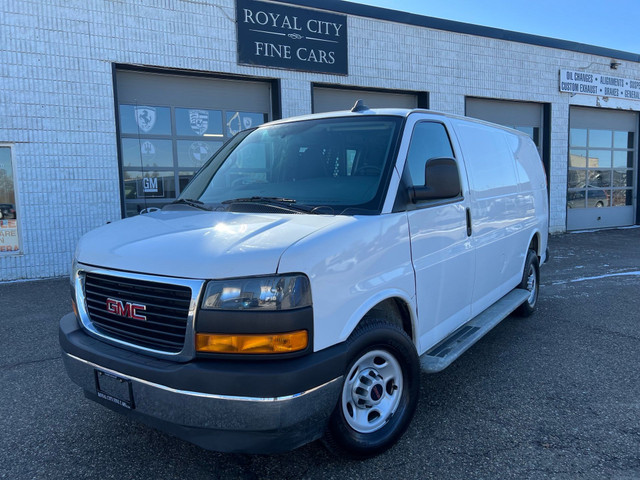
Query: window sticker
x=198, y=122
x=238, y=121
x=193, y=154
x=145, y=120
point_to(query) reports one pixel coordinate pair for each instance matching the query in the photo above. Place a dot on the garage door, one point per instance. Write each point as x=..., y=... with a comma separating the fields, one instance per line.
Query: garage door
x=524, y=116
x=335, y=99
x=602, y=168
x=169, y=125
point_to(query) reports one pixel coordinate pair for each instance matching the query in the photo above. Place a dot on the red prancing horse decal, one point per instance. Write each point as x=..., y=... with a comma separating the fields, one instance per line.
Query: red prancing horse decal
x=126, y=309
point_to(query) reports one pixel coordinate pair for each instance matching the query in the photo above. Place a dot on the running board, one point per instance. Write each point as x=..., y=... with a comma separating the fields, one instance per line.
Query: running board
x=448, y=350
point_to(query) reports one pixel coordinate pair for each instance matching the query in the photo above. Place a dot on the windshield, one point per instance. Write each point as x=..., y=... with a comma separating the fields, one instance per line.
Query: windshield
x=339, y=164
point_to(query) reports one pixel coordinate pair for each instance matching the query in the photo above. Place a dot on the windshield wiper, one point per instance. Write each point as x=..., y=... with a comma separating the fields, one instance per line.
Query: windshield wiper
x=281, y=202
x=191, y=202
x=261, y=199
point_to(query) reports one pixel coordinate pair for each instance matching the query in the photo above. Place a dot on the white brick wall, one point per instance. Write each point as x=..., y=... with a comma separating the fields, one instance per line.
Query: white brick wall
x=57, y=107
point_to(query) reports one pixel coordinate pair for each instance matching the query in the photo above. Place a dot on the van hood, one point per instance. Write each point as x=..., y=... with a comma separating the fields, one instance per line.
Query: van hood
x=198, y=244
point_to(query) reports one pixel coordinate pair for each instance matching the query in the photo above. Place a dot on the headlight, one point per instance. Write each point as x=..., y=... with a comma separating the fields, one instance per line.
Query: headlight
x=281, y=292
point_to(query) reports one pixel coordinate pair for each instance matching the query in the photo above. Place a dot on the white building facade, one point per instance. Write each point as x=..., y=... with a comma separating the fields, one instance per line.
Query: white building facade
x=109, y=107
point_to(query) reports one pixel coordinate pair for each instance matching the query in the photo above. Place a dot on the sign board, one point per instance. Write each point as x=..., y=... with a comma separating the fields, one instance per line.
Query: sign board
x=294, y=38
x=150, y=187
x=572, y=81
x=9, y=241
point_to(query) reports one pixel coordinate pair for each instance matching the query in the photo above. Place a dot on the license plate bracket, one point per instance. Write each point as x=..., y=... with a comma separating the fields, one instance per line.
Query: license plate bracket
x=114, y=388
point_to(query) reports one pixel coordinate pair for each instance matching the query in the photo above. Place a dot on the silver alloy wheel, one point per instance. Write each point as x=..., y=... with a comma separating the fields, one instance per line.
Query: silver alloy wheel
x=532, y=280
x=371, y=394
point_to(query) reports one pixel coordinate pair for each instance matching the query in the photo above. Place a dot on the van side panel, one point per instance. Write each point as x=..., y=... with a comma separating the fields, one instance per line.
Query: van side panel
x=500, y=219
x=528, y=163
x=532, y=196
x=444, y=264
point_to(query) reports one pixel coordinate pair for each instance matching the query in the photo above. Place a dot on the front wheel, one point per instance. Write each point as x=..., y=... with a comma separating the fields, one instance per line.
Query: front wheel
x=379, y=394
x=531, y=282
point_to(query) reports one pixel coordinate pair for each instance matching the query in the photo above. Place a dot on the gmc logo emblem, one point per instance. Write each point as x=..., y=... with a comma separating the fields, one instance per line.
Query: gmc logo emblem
x=126, y=309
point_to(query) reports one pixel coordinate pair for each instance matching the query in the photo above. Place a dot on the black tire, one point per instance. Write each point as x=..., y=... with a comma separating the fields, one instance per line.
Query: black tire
x=376, y=348
x=530, y=281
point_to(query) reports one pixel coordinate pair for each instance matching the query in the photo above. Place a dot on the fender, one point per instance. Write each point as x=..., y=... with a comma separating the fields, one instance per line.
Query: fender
x=379, y=297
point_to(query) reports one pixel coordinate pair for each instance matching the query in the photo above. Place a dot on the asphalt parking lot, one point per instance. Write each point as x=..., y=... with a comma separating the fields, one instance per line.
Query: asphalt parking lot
x=553, y=396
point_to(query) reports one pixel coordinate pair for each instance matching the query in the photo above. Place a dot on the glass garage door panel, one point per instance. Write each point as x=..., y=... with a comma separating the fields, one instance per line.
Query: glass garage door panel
x=171, y=124
x=602, y=168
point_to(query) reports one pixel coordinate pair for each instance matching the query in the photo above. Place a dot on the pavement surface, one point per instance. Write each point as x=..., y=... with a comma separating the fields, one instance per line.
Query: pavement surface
x=556, y=395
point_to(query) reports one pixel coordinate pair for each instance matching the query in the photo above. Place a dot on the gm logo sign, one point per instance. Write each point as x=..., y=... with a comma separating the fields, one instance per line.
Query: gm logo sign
x=150, y=185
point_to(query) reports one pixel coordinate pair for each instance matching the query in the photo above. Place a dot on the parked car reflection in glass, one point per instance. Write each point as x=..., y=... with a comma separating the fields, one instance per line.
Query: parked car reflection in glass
x=7, y=210
x=592, y=198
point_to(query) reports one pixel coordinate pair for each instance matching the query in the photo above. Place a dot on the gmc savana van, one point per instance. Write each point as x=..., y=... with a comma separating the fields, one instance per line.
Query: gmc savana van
x=306, y=276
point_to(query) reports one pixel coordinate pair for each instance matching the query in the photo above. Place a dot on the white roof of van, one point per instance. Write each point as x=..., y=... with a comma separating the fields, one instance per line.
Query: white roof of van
x=396, y=112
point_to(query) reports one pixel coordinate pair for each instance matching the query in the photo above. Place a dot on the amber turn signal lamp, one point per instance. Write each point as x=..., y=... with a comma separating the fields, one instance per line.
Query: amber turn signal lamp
x=251, y=344
x=75, y=308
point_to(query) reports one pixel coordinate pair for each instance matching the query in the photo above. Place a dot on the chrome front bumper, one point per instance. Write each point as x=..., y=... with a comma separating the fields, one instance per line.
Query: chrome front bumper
x=221, y=422
x=206, y=410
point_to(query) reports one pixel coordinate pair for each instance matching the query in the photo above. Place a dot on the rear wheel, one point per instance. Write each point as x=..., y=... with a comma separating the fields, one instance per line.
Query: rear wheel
x=379, y=392
x=531, y=282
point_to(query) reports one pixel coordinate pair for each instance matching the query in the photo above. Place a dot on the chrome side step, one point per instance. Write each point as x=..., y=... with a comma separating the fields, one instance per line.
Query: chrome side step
x=448, y=350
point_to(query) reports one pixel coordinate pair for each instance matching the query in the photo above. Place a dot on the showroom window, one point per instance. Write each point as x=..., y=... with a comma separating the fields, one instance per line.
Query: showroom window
x=163, y=146
x=169, y=125
x=9, y=236
x=600, y=168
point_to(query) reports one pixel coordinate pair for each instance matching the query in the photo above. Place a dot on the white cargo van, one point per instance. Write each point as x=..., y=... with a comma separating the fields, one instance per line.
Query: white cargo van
x=305, y=277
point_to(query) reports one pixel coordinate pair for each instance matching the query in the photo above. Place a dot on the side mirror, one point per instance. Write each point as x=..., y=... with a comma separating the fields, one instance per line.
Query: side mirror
x=441, y=181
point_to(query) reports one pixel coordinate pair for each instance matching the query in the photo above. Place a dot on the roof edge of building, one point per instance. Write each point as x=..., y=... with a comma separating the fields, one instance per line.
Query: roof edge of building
x=414, y=19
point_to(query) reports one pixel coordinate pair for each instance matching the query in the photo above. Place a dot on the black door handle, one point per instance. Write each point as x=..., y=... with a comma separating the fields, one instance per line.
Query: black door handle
x=469, y=231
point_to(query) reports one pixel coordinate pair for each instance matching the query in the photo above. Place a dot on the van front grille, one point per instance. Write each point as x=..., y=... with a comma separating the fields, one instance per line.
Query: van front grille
x=148, y=314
